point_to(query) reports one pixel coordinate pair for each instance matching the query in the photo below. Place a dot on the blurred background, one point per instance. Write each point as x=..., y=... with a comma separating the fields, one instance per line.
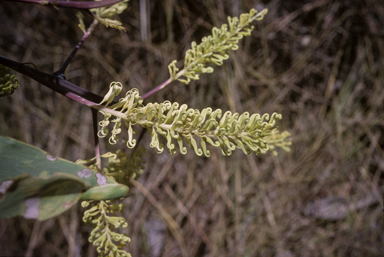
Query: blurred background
x=318, y=63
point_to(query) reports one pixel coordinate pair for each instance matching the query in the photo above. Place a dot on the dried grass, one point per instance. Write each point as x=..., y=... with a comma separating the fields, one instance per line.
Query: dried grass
x=318, y=63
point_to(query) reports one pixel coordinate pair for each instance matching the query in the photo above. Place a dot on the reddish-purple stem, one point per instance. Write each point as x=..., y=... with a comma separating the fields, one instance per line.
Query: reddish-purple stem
x=158, y=88
x=71, y=4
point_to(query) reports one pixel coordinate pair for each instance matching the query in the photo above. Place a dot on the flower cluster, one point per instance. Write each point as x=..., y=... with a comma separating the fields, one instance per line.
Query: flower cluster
x=251, y=133
x=104, y=15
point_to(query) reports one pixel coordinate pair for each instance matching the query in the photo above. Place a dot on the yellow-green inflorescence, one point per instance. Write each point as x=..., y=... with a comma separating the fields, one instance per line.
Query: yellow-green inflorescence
x=102, y=216
x=104, y=14
x=215, y=48
x=178, y=124
x=124, y=167
x=8, y=82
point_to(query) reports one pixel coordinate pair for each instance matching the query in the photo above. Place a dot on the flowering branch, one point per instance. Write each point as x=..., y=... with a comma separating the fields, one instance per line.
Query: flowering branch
x=213, y=49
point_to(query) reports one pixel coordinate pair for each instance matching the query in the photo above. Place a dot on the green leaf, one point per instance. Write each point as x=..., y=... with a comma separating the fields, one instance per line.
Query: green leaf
x=41, y=198
x=38, y=185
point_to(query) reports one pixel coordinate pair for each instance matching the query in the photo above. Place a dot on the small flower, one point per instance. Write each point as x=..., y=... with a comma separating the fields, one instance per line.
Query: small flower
x=215, y=48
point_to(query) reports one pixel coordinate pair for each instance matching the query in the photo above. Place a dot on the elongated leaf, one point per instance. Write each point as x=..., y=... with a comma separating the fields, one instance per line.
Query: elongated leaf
x=38, y=185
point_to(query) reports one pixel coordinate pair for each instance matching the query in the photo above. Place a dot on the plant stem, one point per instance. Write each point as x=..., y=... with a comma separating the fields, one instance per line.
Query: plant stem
x=60, y=86
x=50, y=80
x=158, y=88
x=71, y=4
x=61, y=71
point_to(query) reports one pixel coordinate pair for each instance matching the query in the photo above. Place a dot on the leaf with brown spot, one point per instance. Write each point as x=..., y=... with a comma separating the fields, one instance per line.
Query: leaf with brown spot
x=54, y=184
